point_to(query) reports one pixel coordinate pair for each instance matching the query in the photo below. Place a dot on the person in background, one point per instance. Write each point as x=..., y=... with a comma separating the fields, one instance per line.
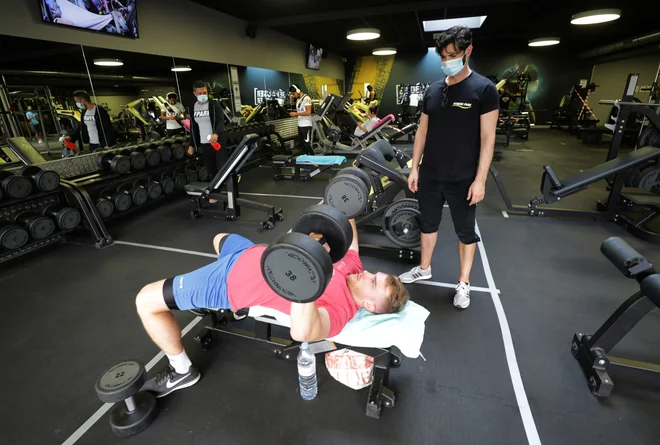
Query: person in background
x=95, y=127
x=207, y=126
x=456, y=135
x=172, y=112
x=371, y=96
x=369, y=124
x=304, y=114
x=34, y=121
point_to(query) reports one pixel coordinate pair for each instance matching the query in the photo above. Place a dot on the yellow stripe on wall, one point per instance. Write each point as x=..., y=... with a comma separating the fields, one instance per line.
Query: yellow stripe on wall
x=314, y=83
x=374, y=71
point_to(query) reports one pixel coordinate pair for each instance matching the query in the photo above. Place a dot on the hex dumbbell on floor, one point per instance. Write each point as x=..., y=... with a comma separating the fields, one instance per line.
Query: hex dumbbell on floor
x=349, y=191
x=114, y=162
x=297, y=267
x=122, y=383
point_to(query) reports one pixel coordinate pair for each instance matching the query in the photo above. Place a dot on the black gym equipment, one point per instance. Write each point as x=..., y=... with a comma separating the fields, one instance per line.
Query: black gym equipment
x=114, y=162
x=137, y=193
x=12, y=237
x=200, y=193
x=178, y=178
x=166, y=183
x=45, y=180
x=122, y=383
x=39, y=227
x=154, y=190
x=165, y=152
x=297, y=267
x=66, y=218
x=189, y=173
x=591, y=351
x=287, y=167
x=349, y=191
x=105, y=207
x=138, y=160
x=15, y=186
x=151, y=154
x=120, y=199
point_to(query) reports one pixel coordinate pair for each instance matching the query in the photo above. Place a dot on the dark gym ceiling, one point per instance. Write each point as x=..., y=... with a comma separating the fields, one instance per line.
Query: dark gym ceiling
x=510, y=23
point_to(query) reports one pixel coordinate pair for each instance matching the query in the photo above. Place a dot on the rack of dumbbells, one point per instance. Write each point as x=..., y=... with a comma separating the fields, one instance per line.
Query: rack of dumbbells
x=278, y=137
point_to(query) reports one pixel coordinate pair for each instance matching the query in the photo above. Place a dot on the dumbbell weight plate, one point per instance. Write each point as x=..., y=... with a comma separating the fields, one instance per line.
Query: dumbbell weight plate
x=331, y=223
x=45, y=180
x=13, y=237
x=364, y=176
x=15, y=186
x=154, y=189
x=297, y=268
x=165, y=153
x=40, y=227
x=137, y=193
x=348, y=194
x=401, y=223
x=202, y=172
x=66, y=218
x=178, y=151
x=120, y=199
x=124, y=423
x=649, y=177
x=105, y=207
x=121, y=381
x=138, y=160
x=179, y=180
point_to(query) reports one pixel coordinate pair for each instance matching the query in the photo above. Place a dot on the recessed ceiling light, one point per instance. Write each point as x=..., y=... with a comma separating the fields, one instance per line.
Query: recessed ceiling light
x=108, y=62
x=384, y=51
x=363, y=34
x=595, y=16
x=431, y=48
x=544, y=41
x=445, y=24
x=181, y=68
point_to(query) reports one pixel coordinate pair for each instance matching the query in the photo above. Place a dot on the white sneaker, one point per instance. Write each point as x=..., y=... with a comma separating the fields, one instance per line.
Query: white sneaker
x=415, y=274
x=40, y=141
x=462, y=297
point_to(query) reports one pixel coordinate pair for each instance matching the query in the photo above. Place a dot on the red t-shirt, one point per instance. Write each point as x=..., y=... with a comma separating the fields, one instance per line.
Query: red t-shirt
x=246, y=287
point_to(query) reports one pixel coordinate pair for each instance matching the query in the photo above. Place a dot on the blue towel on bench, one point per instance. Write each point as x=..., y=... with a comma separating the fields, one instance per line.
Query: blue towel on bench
x=321, y=160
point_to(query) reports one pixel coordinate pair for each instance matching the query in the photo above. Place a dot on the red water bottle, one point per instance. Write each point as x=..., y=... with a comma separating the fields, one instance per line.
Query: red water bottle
x=216, y=145
x=70, y=145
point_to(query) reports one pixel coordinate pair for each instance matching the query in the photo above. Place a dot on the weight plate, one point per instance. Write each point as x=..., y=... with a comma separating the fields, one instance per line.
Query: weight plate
x=191, y=176
x=121, y=381
x=138, y=160
x=165, y=153
x=178, y=152
x=364, y=176
x=154, y=190
x=122, y=201
x=41, y=227
x=47, y=180
x=120, y=164
x=348, y=194
x=203, y=174
x=68, y=218
x=331, y=223
x=649, y=177
x=179, y=181
x=139, y=195
x=401, y=223
x=13, y=237
x=17, y=187
x=168, y=185
x=124, y=423
x=105, y=207
x=297, y=267
x=153, y=158
x=636, y=175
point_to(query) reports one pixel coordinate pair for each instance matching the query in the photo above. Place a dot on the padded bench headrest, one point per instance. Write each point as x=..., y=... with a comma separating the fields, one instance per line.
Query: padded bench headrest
x=629, y=262
x=651, y=288
x=385, y=148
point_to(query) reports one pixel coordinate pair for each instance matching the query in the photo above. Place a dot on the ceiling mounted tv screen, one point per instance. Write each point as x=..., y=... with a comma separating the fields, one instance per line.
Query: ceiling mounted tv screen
x=314, y=57
x=117, y=17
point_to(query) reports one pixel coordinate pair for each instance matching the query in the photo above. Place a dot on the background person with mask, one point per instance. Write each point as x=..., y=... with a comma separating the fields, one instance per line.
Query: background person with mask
x=456, y=135
x=172, y=113
x=207, y=126
x=304, y=114
x=95, y=127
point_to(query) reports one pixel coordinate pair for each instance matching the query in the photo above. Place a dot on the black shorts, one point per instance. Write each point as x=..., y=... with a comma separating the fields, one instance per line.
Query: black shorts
x=178, y=132
x=432, y=196
x=305, y=140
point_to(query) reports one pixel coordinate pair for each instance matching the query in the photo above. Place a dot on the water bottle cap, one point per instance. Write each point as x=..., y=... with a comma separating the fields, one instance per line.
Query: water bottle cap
x=304, y=345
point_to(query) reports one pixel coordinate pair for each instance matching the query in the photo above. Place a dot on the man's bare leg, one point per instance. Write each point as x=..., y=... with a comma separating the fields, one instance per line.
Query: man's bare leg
x=466, y=254
x=428, y=246
x=158, y=320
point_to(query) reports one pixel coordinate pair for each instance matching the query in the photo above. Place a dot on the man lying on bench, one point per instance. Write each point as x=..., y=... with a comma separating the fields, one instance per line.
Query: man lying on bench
x=235, y=282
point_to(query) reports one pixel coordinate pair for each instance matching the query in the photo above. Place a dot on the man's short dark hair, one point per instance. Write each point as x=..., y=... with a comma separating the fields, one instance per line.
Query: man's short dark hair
x=82, y=94
x=460, y=36
x=172, y=96
x=373, y=109
x=198, y=84
x=370, y=88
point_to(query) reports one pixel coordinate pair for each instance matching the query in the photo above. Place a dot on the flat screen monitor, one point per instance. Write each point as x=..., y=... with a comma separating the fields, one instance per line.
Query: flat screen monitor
x=314, y=57
x=107, y=16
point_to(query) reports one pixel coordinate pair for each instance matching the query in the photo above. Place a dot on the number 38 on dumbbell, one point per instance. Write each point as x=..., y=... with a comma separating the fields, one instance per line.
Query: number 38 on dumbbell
x=349, y=191
x=298, y=267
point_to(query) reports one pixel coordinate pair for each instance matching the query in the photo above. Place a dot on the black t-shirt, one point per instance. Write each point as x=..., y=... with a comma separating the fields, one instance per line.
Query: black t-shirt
x=453, y=138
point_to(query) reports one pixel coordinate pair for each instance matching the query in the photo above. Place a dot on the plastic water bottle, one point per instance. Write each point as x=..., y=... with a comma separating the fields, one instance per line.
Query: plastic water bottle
x=307, y=373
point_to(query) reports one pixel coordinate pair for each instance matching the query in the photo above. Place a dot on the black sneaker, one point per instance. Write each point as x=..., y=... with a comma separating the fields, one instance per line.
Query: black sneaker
x=168, y=380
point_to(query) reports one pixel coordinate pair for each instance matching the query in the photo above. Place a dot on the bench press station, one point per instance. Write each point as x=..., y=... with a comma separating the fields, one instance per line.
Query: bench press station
x=200, y=193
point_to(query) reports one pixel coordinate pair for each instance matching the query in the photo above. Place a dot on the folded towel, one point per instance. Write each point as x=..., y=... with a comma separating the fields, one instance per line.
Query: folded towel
x=321, y=160
x=405, y=329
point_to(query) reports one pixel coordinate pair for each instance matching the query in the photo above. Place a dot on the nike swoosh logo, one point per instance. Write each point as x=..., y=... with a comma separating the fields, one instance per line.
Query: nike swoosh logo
x=307, y=138
x=171, y=384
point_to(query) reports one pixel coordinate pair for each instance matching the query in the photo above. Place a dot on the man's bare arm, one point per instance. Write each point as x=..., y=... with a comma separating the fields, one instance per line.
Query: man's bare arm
x=354, y=245
x=488, y=129
x=308, y=322
x=420, y=140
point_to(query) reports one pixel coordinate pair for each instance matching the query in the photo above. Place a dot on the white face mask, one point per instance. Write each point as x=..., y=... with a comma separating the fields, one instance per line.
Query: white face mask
x=203, y=98
x=453, y=67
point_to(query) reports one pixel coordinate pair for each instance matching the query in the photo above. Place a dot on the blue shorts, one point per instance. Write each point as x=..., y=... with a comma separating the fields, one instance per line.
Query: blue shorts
x=206, y=288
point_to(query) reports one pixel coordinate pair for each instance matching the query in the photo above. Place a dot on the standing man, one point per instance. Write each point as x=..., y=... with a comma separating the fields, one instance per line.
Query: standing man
x=207, y=126
x=172, y=112
x=304, y=114
x=456, y=135
x=34, y=121
x=371, y=96
x=95, y=126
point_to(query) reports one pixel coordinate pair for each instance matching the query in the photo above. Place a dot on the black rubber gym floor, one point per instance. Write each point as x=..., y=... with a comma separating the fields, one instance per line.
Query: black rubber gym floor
x=68, y=313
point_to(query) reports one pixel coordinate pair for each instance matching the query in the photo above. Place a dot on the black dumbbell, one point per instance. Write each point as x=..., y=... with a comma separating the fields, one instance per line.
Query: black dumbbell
x=138, y=160
x=66, y=218
x=45, y=180
x=12, y=237
x=178, y=178
x=105, y=207
x=120, y=383
x=138, y=193
x=165, y=183
x=152, y=155
x=114, y=162
x=15, y=186
x=154, y=189
x=38, y=226
x=165, y=151
x=297, y=267
x=202, y=172
x=189, y=173
x=178, y=151
x=120, y=199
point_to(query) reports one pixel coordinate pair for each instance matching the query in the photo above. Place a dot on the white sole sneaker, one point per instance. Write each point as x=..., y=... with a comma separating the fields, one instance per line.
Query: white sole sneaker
x=412, y=280
x=176, y=388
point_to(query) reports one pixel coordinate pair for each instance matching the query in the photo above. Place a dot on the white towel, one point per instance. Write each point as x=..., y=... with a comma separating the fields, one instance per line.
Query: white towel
x=405, y=329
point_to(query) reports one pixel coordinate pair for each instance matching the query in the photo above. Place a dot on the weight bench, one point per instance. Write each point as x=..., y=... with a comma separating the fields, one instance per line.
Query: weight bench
x=409, y=323
x=305, y=167
x=200, y=193
x=591, y=351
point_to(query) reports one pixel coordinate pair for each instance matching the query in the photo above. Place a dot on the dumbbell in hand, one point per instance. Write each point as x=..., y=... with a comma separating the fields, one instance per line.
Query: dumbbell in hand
x=349, y=191
x=298, y=267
